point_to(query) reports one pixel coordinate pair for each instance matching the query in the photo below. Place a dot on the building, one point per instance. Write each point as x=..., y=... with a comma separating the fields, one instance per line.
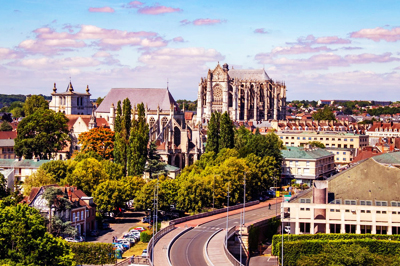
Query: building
x=381, y=130
x=22, y=167
x=9, y=176
x=329, y=139
x=342, y=155
x=246, y=94
x=306, y=165
x=71, y=102
x=7, y=144
x=178, y=140
x=362, y=199
x=82, y=214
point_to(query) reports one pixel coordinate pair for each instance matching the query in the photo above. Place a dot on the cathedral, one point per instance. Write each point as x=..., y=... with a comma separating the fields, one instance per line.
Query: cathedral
x=246, y=94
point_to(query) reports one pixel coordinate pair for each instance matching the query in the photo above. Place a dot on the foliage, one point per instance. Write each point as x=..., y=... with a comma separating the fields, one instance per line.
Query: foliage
x=189, y=105
x=79, y=156
x=138, y=141
x=17, y=112
x=121, y=143
x=154, y=165
x=384, y=111
x=114, y=170
x=8, y=99
x=34, y=103
x=226, y=132
x=38, y=179
x=4, y=191
x=42, y=134
x=126, y=118
x=60, y=227
x=99, y=100
x=144, y=199
x=87, y=175
x=6, y=126
x=213, y=132
x=56, y=168
x=109, y=195
x=317, y=144
x=145, y=236
x=93, y=253
x=98, y=139
x=254, y=233
x=24, y=240
x=324, y=114
x=132, y=185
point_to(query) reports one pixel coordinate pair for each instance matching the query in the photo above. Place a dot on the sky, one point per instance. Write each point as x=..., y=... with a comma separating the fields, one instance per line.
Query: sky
x=320, y=49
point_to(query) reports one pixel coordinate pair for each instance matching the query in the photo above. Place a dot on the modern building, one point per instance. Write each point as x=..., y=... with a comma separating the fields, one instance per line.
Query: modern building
x=179, y=141
x=71, y=102
x=246, y=94
x=7, y=144
x=82, y=213
x=306, y=165
x=361, y=199
x=342, y=155
x=22, y=167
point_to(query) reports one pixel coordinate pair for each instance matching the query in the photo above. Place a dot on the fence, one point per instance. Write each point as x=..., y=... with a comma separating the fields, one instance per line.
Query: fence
x=135, y=260
x=206, y=214
x=155, y=238
x=230, y=257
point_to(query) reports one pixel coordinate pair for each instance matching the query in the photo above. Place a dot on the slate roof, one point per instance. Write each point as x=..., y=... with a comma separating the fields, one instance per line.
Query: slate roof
x=300, y=153
x=388, y=158
x=254, y=74
x=149, y=96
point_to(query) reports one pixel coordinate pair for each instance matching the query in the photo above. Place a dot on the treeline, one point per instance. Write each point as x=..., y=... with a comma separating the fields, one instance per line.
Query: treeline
x=8, y=99
x=384, y=111
x=189, y=105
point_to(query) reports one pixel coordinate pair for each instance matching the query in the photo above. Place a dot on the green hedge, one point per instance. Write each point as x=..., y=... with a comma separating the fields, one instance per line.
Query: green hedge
x=145, y=236
x=93, y=253
x=277, y=239
x=292, y=251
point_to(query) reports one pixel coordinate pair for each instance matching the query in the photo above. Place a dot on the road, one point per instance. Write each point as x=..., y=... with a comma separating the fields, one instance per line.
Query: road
x=188, y=249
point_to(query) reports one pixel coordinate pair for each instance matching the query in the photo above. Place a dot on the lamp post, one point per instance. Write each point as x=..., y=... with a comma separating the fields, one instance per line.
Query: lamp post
x=242, y=222
x=213, y=191
x=227, y=218
x=282, y=217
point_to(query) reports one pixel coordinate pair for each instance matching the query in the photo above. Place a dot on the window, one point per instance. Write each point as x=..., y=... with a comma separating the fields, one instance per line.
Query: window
x=394, y=204
x=350, y=202
x=344, y=159
x=366, y=202
x=309, y=138
x=344, y=153
x=362, y=211
x=77, y=216
x=73, y=217
x=281, y=137
x=304, y=138
x=298, y=137
x=337, y=152
x=336, y=201
x=82, y=217
x=306, y=171
x=351, y=139
x=307, y=163
x=345, y=139
x=305, y=200
x=380, y=203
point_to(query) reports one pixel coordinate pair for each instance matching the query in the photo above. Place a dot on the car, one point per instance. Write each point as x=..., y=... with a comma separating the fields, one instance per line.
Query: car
x=132, y=240
x=71, y=239
x=126, y=244
x=144, y=253
x=140, y=229
x=106, y=225
x=119, y=246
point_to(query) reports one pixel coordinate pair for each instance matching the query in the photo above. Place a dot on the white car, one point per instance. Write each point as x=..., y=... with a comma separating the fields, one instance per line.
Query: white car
x=71, y=239
x=144, y=253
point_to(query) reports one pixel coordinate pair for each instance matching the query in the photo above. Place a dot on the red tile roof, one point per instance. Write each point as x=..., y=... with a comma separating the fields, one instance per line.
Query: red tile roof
x=8, y=134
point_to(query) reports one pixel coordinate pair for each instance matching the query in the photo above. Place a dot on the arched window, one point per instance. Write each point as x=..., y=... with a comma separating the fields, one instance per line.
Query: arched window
x=177, y=136
x=164, y=122
x=151, y=122
x=217, y=94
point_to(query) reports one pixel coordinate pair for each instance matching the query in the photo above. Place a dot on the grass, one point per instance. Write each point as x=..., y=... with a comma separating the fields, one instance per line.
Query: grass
x=136, y=250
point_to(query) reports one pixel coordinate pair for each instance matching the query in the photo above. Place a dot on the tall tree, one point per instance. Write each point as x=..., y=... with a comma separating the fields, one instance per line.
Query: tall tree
x=34, y=103
x=42, y=134
x=117, y=126
x=126, y=119
x=227, y=133
x=99, y=140
x=38, y=179
x=57, y=168
x=109, y=195
x=155, y=165
x=138, y=141
x=213, y=133
x=5, y=126
x=122, y=132
x=324, y=114
x=57, y=201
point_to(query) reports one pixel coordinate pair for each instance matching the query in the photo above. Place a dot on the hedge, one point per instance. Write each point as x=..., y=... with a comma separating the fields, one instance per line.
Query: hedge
x=292, y=251
x=93, y=253
x=145, y=236
x=277, y=239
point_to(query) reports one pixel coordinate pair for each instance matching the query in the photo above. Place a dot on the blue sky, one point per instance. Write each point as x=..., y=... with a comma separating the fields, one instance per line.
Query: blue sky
x=321, y=49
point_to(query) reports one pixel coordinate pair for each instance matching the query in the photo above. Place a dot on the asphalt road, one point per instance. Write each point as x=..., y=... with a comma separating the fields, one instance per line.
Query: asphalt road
x=188, y=249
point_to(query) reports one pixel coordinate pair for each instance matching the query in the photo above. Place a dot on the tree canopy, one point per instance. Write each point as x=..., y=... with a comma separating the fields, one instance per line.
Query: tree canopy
x=5, y=126
x=42, y=134
x=154, y=165
x=324, y=114
x=213, y=133
x=34, y=103
x=98, y=139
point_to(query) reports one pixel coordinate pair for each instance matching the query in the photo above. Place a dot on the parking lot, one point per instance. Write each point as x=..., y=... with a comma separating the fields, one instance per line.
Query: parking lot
x=120, y=226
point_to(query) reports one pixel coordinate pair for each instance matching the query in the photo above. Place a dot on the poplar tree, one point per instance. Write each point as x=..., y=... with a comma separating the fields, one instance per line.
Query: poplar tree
x=138, y=140
x=213, y=133
x=227, y=133
x=122, y=132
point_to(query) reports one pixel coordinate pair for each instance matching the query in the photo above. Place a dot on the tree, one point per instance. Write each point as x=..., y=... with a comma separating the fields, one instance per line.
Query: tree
x=17, y=112
x=57, y=168
x=42, y=134
x=317, y=144
x=154, y=165
x=213, y=132
x=131, y=186
x=88, y=174
x=324, y=114
x=24, y=240
x=114, y=170
x=62, y=227
x=4, y=191
x=99, y=100
x=55, y=200
x=227, y=133
x=126, y=119
x=109, y=195
x=139, y=139
x=38, y=179
x=100, y=140
x=5, y=126
x=121, y=144
x=79, y=156
x=34, y=103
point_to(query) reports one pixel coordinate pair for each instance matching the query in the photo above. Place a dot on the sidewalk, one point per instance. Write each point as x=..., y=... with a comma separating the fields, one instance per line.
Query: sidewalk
x=161, y=247
x=197, y=222
x=215, y=250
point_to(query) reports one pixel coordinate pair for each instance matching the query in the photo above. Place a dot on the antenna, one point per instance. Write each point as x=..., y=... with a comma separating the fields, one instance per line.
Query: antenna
x=167, y=83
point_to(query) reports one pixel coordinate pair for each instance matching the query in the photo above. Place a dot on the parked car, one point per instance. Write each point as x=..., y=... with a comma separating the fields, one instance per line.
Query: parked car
x=106, y=225
x=140, y=229
x=144, y=253
x=119, y=246
x=131, y=239
x=71, y=239
x=124, y=243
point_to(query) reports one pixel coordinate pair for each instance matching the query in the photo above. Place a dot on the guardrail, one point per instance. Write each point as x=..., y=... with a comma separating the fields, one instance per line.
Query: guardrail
x=135, y=260
x=173, y=241
x=155, y=238
x=206, y=214
x=230, y=257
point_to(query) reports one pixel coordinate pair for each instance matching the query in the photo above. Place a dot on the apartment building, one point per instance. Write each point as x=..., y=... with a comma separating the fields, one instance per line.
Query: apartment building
x=306, y=165
x=362, y=199
x=342, y=155
x=22, y=167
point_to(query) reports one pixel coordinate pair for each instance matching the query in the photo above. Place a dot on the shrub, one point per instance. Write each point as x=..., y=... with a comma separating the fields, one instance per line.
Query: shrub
x=93, y=253
x=145, y=236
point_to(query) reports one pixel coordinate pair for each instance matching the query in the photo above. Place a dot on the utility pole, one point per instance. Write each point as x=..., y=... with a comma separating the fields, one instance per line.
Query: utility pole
x=242, y=222
x=227, y=218
x=213, y=191
x=154, y=208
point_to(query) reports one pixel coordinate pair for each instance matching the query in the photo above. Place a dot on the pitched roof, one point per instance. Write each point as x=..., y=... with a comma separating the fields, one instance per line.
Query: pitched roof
x=149, y=96
x=254, y=74
x=301, y=153
x=8, y=134
x=6, y=143
x=388, y=158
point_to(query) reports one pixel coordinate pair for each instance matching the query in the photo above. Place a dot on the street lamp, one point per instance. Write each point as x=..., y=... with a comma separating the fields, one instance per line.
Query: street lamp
x=242, y=222
x=227, y=218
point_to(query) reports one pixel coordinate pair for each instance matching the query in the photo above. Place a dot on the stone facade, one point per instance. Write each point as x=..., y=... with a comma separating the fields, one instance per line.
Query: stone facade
x=246, y=94
x=71, y=102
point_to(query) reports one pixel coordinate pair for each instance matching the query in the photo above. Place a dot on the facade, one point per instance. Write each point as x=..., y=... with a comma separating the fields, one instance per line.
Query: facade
x=179, y=141
x=381, y=130
x=246, y=94
x=7, y=144
x=22, y=167
x=342, y=155
x=71, y=102
x=306, y=165
x=82, y=214
x=362, y=199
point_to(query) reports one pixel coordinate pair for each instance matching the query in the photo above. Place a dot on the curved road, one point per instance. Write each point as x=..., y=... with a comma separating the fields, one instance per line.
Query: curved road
x=188, y=248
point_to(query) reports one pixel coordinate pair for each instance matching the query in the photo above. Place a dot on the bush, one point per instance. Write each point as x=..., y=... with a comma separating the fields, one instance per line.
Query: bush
x=93, y=253
x=145, y=236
